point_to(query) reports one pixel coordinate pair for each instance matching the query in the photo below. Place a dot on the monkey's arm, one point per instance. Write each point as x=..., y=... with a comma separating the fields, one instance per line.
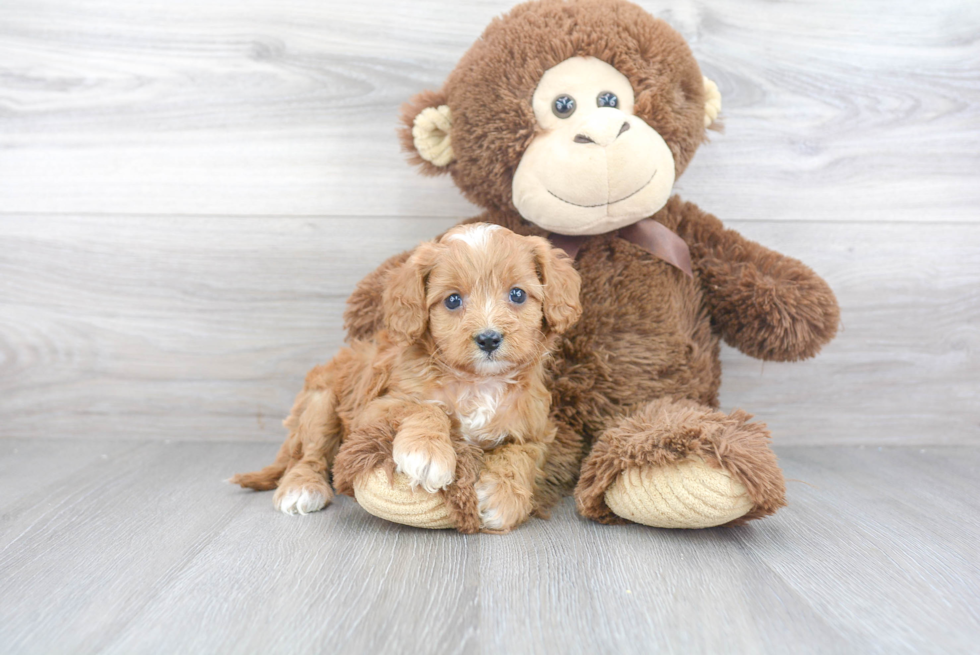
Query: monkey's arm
x=765, y=304
x=364, y=315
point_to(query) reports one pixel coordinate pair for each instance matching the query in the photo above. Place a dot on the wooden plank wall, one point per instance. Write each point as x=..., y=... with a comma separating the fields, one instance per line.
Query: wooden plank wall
x=188, y=192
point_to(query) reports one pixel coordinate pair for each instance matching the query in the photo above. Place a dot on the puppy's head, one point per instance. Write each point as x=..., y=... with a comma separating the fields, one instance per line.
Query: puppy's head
x=487, y=300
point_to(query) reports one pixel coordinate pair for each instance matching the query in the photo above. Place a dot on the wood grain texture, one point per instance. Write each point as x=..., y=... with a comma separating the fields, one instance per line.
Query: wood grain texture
x=144, y=550
x=138, y=327
x=835, y=110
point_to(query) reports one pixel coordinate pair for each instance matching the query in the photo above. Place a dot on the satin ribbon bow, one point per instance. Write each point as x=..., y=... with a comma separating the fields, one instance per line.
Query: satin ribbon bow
x=649, y=234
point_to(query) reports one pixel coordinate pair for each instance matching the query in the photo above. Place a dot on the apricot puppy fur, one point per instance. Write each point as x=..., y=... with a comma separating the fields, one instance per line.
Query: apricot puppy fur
x=470, y=319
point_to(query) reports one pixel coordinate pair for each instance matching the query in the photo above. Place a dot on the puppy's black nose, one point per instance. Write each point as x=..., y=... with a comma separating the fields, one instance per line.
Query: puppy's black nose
x=489, y=340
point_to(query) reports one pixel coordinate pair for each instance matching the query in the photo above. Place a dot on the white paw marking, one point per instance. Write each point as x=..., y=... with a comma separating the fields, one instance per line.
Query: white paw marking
x=489, y=514
x=301, y=501
x=422, y=471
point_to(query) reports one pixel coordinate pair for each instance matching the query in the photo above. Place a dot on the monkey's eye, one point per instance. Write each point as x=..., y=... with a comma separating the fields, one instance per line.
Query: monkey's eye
x=453, y=301
x=518, y=296
x=607, y=99
x=563, y=106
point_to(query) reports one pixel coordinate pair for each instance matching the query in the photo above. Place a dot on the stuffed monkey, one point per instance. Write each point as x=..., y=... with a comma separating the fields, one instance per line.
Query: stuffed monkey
x=572, y=120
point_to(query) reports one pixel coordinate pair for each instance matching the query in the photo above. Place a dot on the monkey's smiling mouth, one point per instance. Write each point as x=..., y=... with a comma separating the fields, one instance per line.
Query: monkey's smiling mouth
x=605, y=204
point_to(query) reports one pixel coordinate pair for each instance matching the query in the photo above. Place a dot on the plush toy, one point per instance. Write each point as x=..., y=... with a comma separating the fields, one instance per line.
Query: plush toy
x=571, y=120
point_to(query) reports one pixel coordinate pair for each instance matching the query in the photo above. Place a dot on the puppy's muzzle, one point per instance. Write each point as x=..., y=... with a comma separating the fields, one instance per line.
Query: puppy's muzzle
x=489, y=340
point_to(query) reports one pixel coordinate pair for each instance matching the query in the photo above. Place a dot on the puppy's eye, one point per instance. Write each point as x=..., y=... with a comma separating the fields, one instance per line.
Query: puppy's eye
x=517, y=296
x=607, y=99
x=563, y=106
x=453, y=301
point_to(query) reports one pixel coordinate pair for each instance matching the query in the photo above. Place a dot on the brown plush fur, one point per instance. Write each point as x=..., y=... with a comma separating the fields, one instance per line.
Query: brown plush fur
x=423, y=393
x=489, y=93
x=635, y=381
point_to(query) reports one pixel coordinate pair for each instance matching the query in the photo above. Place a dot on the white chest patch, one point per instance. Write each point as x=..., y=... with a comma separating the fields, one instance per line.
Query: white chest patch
x=476, y=407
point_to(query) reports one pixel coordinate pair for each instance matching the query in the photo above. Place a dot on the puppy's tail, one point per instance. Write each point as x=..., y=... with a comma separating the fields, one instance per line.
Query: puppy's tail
x=314, y=431
x=264, y=480
x=268, y=478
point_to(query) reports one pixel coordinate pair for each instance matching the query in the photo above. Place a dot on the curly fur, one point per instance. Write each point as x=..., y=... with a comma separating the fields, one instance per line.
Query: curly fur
x=421, y=392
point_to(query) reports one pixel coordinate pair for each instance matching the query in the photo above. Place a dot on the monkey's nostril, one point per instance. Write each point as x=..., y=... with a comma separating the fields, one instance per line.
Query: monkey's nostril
x=581, y=138
x=625, y=127
x=488, y=341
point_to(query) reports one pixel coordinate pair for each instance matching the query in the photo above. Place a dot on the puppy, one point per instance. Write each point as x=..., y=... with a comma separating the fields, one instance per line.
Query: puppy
x=469, y=320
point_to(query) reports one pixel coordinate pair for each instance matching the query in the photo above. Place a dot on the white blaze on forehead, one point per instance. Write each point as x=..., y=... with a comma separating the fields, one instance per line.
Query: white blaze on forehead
x=475, y=236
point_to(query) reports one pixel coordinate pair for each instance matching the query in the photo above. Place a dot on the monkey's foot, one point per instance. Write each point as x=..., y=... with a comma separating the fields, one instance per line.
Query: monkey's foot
x=688, y=494
x=680, y=464
x=399, y=503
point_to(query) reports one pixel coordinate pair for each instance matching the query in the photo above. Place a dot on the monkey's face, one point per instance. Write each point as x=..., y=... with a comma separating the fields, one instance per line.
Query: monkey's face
x=576, y=114
x=593, y=166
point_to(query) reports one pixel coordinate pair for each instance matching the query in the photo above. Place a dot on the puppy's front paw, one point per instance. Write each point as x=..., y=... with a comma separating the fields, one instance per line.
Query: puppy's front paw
x=503, y=505
x=429, y=465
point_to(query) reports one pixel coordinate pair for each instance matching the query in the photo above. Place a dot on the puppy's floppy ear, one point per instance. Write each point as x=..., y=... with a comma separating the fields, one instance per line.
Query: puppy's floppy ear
x=404, y=298
x=426, y=132
x=562, y=284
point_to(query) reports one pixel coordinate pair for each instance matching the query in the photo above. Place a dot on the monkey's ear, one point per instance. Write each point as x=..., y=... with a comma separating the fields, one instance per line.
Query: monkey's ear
x=712, y=102
x=404, y=297
x=426, y=132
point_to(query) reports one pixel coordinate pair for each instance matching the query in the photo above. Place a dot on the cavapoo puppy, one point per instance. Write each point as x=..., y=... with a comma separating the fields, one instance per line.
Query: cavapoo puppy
x=469, y=321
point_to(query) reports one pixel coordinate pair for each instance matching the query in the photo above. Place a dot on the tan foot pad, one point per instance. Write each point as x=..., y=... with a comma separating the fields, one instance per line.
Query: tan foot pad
x=401, y=504
x=689, y=494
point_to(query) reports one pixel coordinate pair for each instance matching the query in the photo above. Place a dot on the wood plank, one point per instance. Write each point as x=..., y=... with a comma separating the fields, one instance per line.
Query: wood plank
x=77, y=558
x=340, y=580
x=114, y=544
x=150, y=553
x=834, y=110
x=570, y=585
x=873, y=539
x=177, y=328
x=19, y=461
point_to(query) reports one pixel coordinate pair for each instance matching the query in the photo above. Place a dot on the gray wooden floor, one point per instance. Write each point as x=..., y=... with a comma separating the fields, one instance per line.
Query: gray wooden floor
x=125, y=547
x=189, y=191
